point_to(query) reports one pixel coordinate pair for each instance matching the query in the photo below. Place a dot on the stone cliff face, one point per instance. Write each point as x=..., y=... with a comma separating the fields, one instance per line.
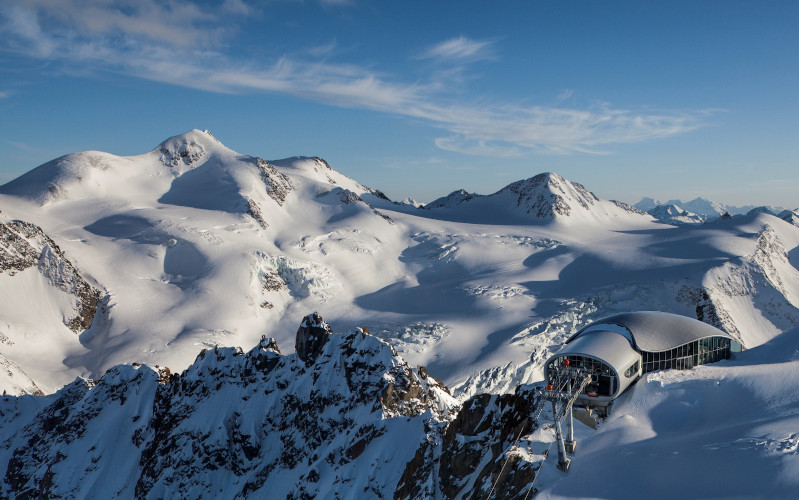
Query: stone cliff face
x=24, y=245
x=344, y=414
x=479, y=453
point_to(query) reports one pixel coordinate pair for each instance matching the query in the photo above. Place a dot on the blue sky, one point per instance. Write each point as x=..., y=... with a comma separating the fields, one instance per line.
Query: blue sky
x=665, y=99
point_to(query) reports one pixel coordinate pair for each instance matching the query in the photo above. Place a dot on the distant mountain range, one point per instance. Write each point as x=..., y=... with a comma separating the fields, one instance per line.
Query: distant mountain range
x=113, y=268
x=700, y=210
x=697, y=210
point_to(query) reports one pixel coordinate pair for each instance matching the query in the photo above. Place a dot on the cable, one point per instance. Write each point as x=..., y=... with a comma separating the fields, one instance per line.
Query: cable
x=507, y=458
x=539, y=470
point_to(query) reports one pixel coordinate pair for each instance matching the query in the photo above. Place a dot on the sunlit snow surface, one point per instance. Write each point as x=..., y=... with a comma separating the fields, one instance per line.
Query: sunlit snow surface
x=196, y=245
x=727, y=430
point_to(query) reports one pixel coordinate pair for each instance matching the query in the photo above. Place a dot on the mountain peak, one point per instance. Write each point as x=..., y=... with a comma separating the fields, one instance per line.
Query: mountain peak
x=186, y=148
x=549, y=195
x=675, y=215
x=454, y=198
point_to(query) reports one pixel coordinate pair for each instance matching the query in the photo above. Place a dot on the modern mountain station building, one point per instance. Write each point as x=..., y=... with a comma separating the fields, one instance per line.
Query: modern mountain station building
x=619, y=349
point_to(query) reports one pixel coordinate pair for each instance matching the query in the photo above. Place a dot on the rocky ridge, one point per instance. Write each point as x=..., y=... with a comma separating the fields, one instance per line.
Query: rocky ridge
x=548, y=195
x=545, y=197
x=343, y=414
x=24, y=245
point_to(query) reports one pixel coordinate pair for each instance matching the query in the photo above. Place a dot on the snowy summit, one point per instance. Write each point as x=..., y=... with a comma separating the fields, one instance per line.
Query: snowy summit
x=114, y=268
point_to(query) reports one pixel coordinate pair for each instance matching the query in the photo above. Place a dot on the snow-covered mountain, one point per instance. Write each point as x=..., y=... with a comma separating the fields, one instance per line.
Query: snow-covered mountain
x=542, y=199
x=673, y=214
x=194, y=245
x=344, y=416
x=110, y=260
x=791, y=216
x=41, y=291
x=702, y=207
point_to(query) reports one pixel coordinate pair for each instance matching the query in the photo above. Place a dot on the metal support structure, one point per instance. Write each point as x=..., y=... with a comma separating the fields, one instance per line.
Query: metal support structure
x=563, y=392
x=563, y=461
x=571, y=443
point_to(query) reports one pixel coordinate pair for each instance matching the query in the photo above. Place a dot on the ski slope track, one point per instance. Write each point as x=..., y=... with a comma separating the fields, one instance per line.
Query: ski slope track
x=149, y=259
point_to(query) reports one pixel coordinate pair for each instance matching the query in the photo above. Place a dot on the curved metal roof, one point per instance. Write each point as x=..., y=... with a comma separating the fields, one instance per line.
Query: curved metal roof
x=655, y=331
x=608, y=347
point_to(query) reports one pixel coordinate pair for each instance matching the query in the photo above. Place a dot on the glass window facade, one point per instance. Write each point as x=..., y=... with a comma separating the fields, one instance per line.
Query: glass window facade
x=686, y=356
x=632, y=371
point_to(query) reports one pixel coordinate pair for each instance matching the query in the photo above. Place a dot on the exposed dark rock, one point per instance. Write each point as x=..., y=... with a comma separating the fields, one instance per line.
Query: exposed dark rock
x=278, y=186
x=181, y=149
x=467, y=461
x=261, y=422
x=346, y=196
x=627, y=207
x=254, y=211
x=385, y=217
x=379, y=194
x=545, y=195
x=311, y=337
x=24, y=245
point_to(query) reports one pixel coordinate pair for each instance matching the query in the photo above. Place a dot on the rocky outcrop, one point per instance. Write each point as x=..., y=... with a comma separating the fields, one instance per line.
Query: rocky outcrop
x=628, y=208
x=480, y=453
x=547, y=195
x=353, y=418
x=312, y=335
x=254, y=211
x=347, y=197
x=706, y=310
x=186, y=149
x=24, y=245
x=278, y=185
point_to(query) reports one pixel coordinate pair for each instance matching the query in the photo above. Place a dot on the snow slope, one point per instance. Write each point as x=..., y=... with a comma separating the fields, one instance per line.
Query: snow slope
x=541, y=199
x=727, y=430
x=346, y=417
x=195, y=245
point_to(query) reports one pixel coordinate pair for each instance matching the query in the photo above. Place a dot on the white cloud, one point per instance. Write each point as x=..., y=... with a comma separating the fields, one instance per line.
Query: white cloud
x=181, y=24
x=173, y=42
x=564, y=95
x=4, y=94
x=459, y=49
x=478, y=147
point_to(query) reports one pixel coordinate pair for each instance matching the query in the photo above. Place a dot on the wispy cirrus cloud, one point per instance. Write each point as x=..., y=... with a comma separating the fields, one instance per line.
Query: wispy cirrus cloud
x=178, y=43
x=460, y=49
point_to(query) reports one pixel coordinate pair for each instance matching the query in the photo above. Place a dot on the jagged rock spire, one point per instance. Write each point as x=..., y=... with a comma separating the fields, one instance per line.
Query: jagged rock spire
x=311, y=337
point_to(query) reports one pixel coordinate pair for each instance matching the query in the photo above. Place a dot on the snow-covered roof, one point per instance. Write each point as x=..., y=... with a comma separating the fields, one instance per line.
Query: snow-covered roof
x=608, y=347
x=653, y=330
